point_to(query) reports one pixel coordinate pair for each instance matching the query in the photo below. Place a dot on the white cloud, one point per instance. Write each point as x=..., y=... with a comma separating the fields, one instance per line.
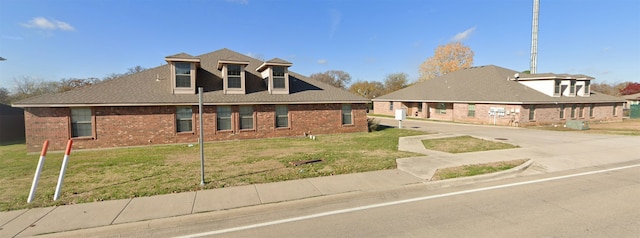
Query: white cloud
x=336, y=17
x=11, y=37
x=243, y=2
x=46, y=24
x=322, y=61
x=462, y=36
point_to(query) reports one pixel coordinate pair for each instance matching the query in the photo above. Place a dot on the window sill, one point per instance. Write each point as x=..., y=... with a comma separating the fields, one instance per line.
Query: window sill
x=348, y=125
x=83, y=138
x=283, y=128
x=185, y=133
x=247, y=130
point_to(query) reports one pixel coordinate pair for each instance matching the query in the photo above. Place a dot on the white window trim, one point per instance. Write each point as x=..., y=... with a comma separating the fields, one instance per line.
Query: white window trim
x=225, y=80
x=91, y=122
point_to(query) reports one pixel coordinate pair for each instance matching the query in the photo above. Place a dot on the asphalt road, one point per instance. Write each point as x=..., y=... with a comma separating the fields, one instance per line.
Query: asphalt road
x=594, y=202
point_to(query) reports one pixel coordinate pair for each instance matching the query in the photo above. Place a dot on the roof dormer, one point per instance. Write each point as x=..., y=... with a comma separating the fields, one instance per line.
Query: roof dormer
x=183, y=73
x=233, y=76
x=558, y=85
x=276, y=75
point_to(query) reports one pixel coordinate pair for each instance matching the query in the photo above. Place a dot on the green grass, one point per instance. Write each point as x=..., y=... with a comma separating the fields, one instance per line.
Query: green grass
x=144, y=171
x=464, y=144
x=476, y=169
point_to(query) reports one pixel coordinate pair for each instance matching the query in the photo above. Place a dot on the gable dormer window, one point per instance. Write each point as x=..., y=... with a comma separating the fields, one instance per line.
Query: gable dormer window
x=233, y=76
x=279, y=77
x=276, y=75
x=183, y=73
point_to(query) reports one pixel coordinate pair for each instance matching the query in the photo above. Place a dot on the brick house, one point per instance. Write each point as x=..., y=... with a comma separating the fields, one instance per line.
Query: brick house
x=500, y=96
x=244, y=98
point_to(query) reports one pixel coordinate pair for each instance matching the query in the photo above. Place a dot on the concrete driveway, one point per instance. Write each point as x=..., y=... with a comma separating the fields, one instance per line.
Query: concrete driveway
x=551, y=150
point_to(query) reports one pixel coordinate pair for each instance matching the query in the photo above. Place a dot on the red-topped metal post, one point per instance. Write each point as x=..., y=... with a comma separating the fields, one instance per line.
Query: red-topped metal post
x=63, y=168
x=36, y=177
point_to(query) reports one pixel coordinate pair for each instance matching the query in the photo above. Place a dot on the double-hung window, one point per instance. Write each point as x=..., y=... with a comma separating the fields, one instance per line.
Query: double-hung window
x=391, y=106
x=441, y=108
x=573, y=111
x=532, y=112
x=246, y=117
x=234, y=76
x=471, y=110
x=581, y=112
x=572, y=88
x=587, y=88
x=278, y=77
x=557, y=87
x=184, y=119
x=591, y=107
x=561, y=111
x=223, y=118
x=81, y=122
x=347, y=118
x=183, y=75
x=282, y=116
x=419, y=107
x=615, y=109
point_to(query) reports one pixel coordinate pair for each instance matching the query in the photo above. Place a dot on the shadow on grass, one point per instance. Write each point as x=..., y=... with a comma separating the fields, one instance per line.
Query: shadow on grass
x=13, y=142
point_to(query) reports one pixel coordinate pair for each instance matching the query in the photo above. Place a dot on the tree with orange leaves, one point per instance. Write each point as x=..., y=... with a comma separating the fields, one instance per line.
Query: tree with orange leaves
x=446, y=59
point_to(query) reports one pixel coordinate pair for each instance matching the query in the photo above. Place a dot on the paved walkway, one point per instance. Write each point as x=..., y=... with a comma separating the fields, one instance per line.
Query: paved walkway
x=549, y=151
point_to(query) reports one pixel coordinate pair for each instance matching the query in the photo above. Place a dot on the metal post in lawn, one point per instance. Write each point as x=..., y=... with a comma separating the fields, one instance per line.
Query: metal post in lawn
x=36, y=177
x=63, y=168
x=201, y=137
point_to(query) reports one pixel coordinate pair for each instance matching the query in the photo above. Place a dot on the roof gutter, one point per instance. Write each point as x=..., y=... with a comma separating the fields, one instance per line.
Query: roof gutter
x=177, y=104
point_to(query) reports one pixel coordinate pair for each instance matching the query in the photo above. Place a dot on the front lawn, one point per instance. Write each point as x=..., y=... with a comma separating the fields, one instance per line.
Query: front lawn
x=144, y=171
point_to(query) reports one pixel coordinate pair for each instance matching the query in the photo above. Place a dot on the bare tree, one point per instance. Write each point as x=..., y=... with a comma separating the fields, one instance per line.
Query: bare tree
x=73, y=83
x=29, y=87
x=446, y=59
x=130, y=71
x=337, y=78
x=5, y=98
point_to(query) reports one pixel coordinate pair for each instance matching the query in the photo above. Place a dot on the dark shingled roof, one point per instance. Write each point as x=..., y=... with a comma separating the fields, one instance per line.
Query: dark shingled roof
x=278, y=61
x=182, y=56
x=483, y=84
x=153, y=87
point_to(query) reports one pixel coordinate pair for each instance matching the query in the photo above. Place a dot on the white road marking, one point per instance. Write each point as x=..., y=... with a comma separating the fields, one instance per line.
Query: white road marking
x=323, y=214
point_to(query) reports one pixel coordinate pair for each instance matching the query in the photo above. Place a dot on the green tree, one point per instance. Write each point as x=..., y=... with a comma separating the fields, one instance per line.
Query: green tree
x=394, y=82
x=367, y=89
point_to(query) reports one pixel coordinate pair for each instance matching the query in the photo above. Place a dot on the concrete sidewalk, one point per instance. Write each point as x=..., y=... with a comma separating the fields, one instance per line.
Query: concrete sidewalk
x=30, y=222
x=549, y=151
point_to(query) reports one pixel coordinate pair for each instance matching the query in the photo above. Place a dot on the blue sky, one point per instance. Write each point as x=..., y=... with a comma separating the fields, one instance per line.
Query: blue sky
x=51, y=40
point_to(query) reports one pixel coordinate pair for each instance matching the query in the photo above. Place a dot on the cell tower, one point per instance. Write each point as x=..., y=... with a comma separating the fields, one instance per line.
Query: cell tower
x=534, y=37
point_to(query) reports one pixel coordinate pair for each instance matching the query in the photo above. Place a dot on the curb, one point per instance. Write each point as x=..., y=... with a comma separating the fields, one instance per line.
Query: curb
x=484, y=177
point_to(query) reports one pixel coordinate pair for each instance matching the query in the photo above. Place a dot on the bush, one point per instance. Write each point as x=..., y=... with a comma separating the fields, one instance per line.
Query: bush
x=374, y=125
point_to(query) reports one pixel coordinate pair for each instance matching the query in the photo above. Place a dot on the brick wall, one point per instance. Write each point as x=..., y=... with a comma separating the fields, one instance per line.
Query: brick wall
x=514, y=114
x=134, y=126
